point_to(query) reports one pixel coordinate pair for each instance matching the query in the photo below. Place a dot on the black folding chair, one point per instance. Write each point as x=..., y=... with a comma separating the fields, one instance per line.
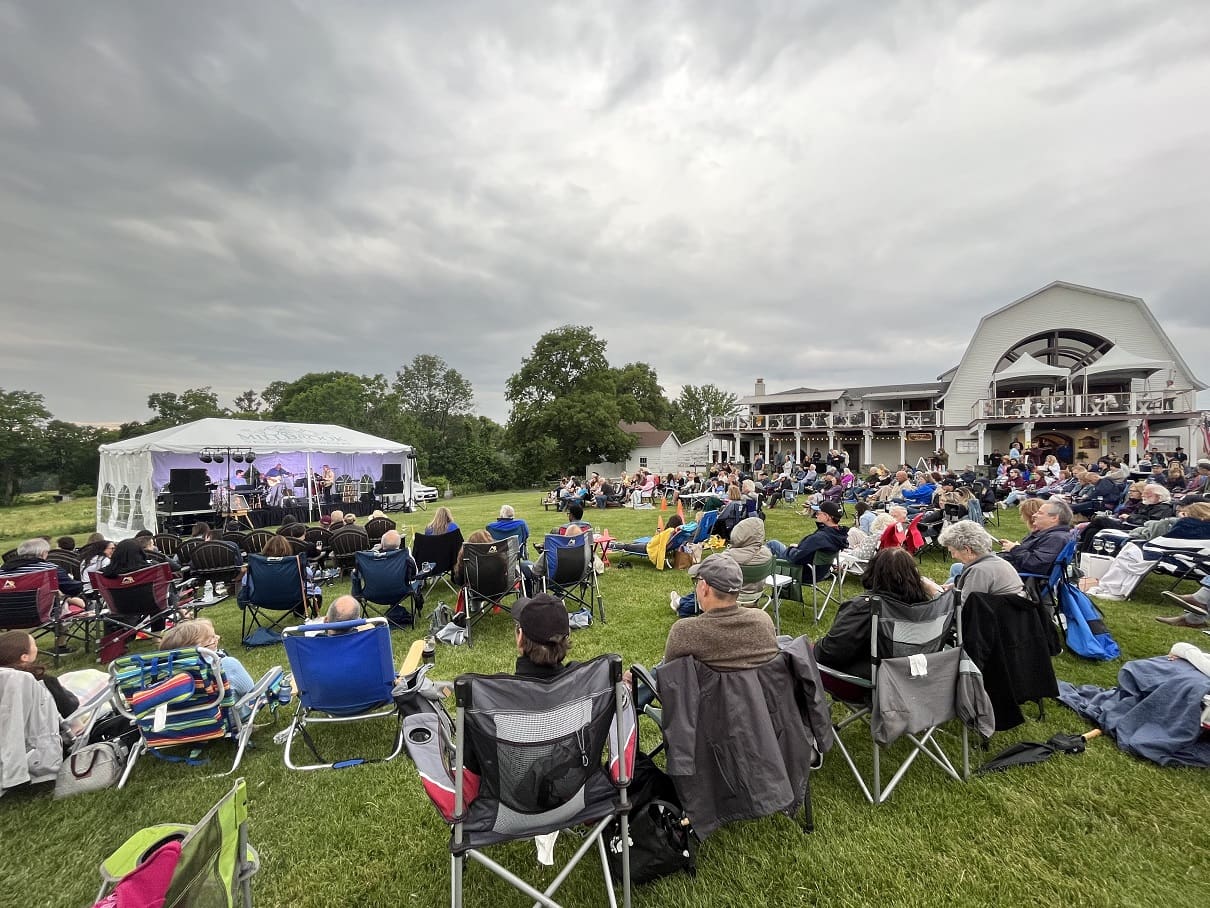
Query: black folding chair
x=32, y=602
x=436, y=555
x=491, y=576
x=137, y=602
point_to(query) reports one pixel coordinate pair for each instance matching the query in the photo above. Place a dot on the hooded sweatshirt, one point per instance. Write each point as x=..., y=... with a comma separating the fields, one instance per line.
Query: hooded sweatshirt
x=748, y=547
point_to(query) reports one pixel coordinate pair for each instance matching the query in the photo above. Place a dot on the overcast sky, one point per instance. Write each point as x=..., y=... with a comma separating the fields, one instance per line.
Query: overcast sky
x=818, y=193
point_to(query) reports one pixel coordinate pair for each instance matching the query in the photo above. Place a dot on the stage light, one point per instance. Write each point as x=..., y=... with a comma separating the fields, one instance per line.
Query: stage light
x=249, y=457
x=218, y=458
x=237, y=457
x=205, y=458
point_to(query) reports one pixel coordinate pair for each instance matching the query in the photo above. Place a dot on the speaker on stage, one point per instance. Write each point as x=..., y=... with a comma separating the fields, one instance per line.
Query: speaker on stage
x=192, y=480
x=389, y=487
x=392, y=472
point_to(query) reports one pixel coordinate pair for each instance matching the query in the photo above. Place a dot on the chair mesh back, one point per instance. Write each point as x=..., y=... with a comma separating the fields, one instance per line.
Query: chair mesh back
x=26, y=600
x=141, y=592
x=208, y=871
x=905, y=630
x=491, y=569
x=278, y=583
x=344, y=674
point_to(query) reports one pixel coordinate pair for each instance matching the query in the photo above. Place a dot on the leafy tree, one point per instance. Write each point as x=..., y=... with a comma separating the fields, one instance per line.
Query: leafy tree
x=435, y=395
x=247, y=403
x=71, y=452
x=175, y=409
x=640, y=395
x=565, y=409
x=23, y=419
x=692, y=410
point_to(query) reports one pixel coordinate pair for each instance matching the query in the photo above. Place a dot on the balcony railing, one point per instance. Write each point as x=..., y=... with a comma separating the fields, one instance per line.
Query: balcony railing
x=817, y=421
x=1135, y=403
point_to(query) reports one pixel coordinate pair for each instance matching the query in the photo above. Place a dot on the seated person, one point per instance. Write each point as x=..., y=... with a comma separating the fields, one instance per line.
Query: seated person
x=1097, y=493
x=829, y=536
x=724, y=636
x=343, y=608
x=200, y=632
x=862, y=549
x=30, y=559
x=1154, y=502
x=1133, y=561
x=509, y=524
x=891, y=574
x=575, y=518
x=979, y=569
x=1036, y=553
x=479, y=536
x=97, y=563
x=19, y=650
x=392, y=541
x=279, y=547
x=747, y=546
x=543, y=633
x=442, y=523
x=1196, y=606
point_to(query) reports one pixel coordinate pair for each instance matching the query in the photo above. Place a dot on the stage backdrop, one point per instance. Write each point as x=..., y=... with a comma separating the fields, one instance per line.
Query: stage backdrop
x=132, y=471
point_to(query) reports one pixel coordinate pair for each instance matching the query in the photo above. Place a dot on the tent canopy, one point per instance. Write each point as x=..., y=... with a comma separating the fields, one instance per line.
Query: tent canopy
x=1027, y=369
x=1121, y=363
x=260, y=437
x=134, y=470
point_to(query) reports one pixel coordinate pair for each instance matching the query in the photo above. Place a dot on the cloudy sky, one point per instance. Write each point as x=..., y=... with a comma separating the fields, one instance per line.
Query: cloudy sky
x=819, y=193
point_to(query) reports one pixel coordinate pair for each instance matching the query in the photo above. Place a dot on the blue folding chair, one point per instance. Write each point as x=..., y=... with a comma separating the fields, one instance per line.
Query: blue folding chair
x=276, y=584
x=343, y=672
x=705, y=527
x=569, y=571
x=385, y=579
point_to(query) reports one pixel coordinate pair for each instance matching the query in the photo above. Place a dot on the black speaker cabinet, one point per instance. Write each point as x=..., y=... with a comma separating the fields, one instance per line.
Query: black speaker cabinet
x=190, y=501
x=193, y=480
x=392, y=472
x=389, y=487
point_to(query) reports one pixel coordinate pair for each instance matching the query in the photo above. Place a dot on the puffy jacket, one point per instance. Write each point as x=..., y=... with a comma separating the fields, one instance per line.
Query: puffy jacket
x=824, y=539
x=748, y=547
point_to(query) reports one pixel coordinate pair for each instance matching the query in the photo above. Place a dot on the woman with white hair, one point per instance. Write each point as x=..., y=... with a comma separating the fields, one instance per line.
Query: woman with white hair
x=981, y=570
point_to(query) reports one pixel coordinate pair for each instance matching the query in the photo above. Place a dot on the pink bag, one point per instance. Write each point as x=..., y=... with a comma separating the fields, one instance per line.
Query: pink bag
x=146, y=885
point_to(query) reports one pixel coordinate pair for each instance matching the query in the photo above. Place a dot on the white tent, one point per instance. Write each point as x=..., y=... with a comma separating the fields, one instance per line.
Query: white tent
x=134, y=470
x=1121, y=363
x=1030, y=370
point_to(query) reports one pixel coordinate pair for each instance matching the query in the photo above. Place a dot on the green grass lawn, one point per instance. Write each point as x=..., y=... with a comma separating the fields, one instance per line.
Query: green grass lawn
x=1097, y=829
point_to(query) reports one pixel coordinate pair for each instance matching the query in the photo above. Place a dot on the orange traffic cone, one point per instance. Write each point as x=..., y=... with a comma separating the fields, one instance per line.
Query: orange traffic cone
x=680, y=510
x=659, y=524
x=663, y=503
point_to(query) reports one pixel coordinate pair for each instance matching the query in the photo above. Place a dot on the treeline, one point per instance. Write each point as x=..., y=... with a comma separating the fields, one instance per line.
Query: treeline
x=566, y=402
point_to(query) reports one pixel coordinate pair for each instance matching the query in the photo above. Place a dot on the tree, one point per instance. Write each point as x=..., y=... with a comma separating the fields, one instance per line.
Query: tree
x=434, y=394
x=692, y=410
x=247, y=404
x=191, y=404
x=565, y=410
x=640, y=395
x=70, y=452
x=23, y=418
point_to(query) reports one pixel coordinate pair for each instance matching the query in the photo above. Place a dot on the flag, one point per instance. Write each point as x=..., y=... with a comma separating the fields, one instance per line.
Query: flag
x=1206, y=439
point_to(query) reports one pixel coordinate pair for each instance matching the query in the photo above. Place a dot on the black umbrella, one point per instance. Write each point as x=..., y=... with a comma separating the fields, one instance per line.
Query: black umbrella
x=1025, y=752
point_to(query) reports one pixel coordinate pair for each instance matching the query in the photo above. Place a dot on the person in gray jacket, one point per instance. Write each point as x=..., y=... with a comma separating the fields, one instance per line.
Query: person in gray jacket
x=982, y=571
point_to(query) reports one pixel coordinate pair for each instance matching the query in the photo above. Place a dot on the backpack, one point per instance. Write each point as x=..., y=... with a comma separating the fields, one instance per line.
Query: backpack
x=662, y=840
x=1087, y=634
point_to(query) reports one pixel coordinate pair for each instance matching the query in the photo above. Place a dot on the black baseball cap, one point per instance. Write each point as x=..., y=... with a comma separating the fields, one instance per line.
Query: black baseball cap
x=832, y=509
x=543, y=618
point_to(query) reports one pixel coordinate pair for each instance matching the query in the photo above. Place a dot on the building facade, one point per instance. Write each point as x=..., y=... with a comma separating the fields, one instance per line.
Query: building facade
x=1079, y=371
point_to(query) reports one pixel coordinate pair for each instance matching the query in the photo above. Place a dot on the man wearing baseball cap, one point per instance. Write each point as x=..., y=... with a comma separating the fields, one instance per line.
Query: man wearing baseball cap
x=725, y=636
x=828, y=537
x=543, y=636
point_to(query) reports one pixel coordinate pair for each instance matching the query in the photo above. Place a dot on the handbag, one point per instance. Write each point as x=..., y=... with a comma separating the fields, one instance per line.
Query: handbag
x=91, y=768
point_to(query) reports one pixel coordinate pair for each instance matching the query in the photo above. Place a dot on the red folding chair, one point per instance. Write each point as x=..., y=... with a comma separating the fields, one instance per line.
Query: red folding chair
x=135, y=603
x=32, y=602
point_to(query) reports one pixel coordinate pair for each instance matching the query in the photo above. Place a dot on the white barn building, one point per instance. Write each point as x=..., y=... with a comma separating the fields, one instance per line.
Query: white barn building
x=1081, y=371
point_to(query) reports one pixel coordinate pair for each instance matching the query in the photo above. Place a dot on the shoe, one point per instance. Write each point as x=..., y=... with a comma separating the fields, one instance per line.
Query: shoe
x=1188, y=603
x=1177, y=621
x=674, y=602
x=62, y=650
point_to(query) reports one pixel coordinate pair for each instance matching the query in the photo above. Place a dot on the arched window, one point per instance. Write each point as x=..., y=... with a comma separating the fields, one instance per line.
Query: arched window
x=1065, y=347
x=122, y=515
x=137, y=522
x=105, y=505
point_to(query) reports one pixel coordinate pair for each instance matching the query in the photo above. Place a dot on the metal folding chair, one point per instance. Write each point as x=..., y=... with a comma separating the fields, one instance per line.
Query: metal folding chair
x=32, y=602
x=491, y=578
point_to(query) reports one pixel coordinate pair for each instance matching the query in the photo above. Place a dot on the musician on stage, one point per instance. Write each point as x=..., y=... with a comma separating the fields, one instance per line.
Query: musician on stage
x=328, y=478
x=274, y=481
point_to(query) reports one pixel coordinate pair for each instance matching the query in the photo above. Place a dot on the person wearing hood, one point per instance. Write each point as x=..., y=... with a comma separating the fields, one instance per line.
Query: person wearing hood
x=748, y=547
x=829, y=536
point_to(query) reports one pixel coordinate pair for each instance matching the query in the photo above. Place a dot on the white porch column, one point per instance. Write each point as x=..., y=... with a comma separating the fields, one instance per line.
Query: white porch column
x=982, y=443
x=1132, y=431
x=735, y=451
x=766, y=449
x=868, y=438
x=902, y=446
x=797, y=447
x=831, y=439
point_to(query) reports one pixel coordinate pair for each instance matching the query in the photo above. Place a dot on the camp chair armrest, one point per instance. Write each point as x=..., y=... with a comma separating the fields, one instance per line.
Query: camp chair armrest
x=266, y=681
x=125, y=857
x=645, y=676
x=845, y=676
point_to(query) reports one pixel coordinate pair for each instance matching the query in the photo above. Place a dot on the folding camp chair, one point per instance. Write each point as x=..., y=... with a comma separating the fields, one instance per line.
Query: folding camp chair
x=32, y=602
x=217, y=562
x=1041, y=587
x=520, y=533
x=436, y=555
x=134, y=603
x=273, y=585
x=769, y=594
x=181, y=697
x=528, y=759
x=570, y=573
x=705, y=527
x=778, y=729
x=913, y=688
x=821, y=573
x=343, y=672
x=209, y=863
x=491, y=576
x=385, y=579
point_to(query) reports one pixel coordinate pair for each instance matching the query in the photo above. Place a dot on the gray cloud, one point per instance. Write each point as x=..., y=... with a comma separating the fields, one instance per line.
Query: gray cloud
x=815, y=193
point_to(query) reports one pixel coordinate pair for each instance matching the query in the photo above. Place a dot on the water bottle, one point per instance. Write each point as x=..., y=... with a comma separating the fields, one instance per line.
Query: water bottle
x=285, y=690
x=429, y=654
x=208, y=591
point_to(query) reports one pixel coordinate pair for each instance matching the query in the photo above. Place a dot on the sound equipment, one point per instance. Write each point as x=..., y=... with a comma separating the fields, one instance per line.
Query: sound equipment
x=388, y=487
x=392, y=472
x=191, y=480
x=189, y=501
